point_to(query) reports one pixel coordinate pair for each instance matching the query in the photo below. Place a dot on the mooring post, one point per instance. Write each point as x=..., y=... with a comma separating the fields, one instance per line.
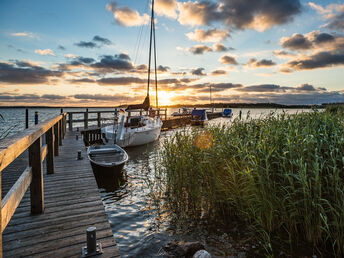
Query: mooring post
x=36, y=117
x=86, y=119
x=165, y=113
x=61, y=110
x=56, y=141
x=26, y=118
x=36, y=186
x=49, y=138
x=70, y=121
x=99, y=117
x=93, y=248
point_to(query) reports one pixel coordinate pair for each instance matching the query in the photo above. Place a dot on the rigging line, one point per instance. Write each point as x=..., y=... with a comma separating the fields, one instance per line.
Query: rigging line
x=156, y=75
x=138, y=40
x=150, y=46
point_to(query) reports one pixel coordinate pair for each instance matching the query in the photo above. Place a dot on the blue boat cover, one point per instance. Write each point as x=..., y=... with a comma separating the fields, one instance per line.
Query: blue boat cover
x=227, y=111
x=199, y=112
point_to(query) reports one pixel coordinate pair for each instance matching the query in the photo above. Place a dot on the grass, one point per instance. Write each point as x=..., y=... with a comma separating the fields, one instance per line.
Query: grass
x=282, y=175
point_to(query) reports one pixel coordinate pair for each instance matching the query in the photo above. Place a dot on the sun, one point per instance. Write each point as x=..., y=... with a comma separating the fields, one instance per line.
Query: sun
x=164, y=98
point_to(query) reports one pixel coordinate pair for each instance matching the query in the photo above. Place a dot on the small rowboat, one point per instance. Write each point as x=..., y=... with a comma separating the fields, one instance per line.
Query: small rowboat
x=107, y=161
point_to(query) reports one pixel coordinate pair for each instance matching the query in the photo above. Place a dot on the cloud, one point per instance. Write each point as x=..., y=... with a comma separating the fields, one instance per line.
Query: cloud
x=60, y=47
x=212, y=35
x=198, y=71
x=218, y=47
x=25, y=73
x=71, y=56
x=24, y=34
x=262, y=63
x=219, y=73
x=259, y=14
x=333, y=13
x=82, y=80
x=86, y=44
x=17, y=49
x=166, y=7
x=120, y=81
x=283, y=54
x=227, y=59
x=306, y=87
x=318, y=60
x=101, y=40
x=45, y=52
x=127, y=17
x=200, y=49
x=263, y=88
x=113, y=63
x=296, y=42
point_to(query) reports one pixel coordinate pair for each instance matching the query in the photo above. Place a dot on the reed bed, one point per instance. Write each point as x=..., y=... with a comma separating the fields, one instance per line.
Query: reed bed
x=283, y=175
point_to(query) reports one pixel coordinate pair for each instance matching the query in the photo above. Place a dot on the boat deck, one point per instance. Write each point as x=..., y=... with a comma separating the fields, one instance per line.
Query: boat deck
x=72, y=204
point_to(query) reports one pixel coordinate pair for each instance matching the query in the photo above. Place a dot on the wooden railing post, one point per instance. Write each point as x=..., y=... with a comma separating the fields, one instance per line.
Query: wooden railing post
x=99, y=117
x=36, y=186
x=56, y=141
x=60, y=133
x=86, y=119
x=49, y=138
x=70, y=121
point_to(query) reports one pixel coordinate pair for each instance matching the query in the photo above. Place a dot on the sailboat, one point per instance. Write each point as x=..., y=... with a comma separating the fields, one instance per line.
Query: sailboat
x=142, y=129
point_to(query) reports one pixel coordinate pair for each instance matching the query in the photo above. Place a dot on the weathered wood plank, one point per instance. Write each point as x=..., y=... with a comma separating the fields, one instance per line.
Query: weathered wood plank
x=44, y=151
x=14, y=196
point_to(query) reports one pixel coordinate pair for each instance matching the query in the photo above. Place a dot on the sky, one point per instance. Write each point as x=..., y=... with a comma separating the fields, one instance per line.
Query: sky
x=95, y=53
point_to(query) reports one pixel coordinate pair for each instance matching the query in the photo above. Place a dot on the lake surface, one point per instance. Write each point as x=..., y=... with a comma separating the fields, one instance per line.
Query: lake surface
x=137, y=229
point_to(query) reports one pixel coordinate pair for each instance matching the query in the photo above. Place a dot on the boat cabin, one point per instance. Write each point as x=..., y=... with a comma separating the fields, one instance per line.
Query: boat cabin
x=227, y=112
x=198, y=116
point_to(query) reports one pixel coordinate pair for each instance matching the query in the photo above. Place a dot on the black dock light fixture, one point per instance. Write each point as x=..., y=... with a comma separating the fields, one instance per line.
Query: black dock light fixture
x=93, y=248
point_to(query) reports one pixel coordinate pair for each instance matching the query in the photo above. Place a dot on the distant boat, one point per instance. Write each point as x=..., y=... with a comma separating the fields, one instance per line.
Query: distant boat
x=227, y=112
x=139, y=130
x=107, y=161
x=199, y=117
x=185, y=112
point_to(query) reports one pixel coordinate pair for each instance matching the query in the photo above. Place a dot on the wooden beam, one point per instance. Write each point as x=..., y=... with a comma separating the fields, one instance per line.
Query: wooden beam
x=36, y=187
x=56, y=139
x=14, y=196
x=60, y=132
x=44, y=151
x=49, y=139
x=12, y=147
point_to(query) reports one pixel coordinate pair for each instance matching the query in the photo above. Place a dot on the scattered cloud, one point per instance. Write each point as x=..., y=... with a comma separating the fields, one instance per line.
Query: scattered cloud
x=166, y=7
x=102, y=40
x=45, y=52
x=219, y=73
x=333, y=13
x=227, y=59
x=283, y=54
x=126, y=16
x=254, y=63
x=198, y=71
x=60, y=47
x=15, y=48
x=212, y=35
x=114, y=63
x=218, y=47
x=200, y=49
x=86, y=44
x=24, y=34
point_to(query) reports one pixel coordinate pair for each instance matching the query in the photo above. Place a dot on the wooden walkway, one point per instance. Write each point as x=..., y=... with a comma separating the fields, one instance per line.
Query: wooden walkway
x=72, y=204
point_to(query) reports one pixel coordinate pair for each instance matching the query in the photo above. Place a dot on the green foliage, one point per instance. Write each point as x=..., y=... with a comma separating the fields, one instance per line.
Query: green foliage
x=283, y=175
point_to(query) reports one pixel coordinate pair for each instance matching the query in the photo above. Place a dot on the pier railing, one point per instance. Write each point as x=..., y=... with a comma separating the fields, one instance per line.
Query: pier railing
x=30, y=139
x=85, y=117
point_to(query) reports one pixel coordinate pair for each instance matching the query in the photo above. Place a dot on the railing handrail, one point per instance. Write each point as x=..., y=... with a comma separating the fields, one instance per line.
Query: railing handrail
x=12, y=147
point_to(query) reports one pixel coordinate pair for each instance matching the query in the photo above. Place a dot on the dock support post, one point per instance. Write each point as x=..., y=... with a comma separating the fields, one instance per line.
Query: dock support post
x=56, y=141
x=49, y=138
x=165, y=113
x=26, y=118
x=36, y=118
x=60, y=132
x=99, y=118
x=86, y=119
x=36, y=187
x=70, y=121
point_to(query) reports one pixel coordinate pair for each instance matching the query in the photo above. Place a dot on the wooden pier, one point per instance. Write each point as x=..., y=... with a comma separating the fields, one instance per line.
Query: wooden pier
x=49, y=197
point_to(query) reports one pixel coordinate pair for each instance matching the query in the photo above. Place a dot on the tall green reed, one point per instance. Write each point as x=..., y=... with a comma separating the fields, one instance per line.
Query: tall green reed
x=282, y=175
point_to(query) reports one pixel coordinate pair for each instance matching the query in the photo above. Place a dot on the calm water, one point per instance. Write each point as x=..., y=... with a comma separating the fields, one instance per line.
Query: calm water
x=137, y=230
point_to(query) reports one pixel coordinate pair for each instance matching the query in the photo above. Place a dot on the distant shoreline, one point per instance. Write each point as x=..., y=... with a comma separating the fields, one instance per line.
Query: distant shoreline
x=215, y=105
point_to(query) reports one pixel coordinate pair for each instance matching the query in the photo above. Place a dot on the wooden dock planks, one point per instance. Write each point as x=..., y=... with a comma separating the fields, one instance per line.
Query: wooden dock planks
x=72, y=204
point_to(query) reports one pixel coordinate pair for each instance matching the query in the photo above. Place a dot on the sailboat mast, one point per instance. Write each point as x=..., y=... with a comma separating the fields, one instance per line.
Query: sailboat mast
x=156, y=75
x=150, y=45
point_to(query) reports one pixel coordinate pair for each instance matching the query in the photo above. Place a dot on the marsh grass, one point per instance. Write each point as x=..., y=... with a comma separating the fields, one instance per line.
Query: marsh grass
x=282, y=175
